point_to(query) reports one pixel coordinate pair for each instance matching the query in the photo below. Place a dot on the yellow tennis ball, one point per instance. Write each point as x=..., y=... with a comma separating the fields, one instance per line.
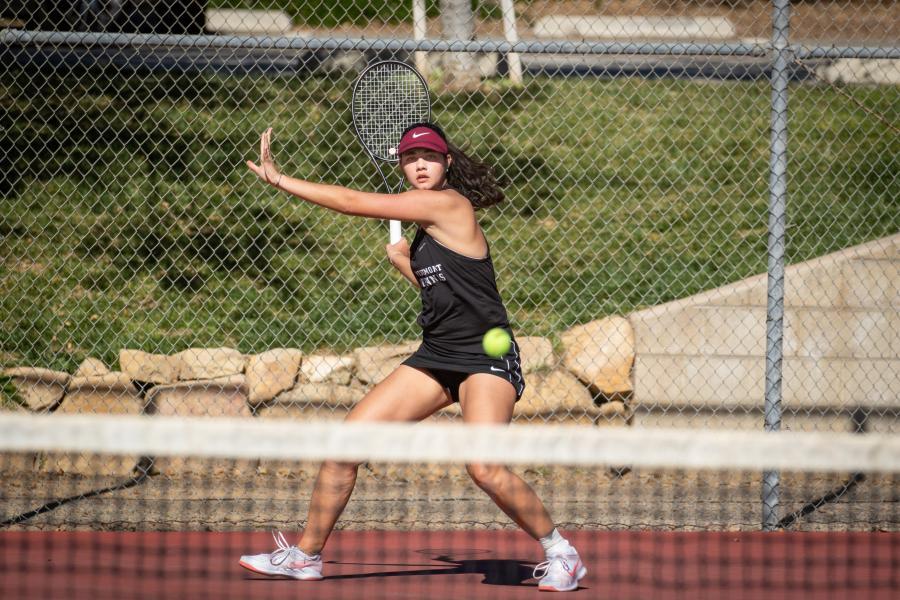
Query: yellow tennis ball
x=496, y=342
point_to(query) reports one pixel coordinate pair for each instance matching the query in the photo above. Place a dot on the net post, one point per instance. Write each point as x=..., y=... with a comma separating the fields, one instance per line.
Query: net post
x=776, y=247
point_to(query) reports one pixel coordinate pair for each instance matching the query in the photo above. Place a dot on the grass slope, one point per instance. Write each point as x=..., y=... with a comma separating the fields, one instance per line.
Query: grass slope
x=130, y=220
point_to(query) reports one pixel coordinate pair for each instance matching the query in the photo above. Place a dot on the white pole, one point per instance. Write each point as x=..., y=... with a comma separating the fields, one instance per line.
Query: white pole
x=512, y=36
x=419, y=32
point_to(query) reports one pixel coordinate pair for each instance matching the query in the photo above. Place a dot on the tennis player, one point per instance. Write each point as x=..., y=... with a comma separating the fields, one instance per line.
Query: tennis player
x=449, y=261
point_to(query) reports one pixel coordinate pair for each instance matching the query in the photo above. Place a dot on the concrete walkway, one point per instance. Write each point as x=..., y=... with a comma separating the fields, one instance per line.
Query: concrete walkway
x=700, y=361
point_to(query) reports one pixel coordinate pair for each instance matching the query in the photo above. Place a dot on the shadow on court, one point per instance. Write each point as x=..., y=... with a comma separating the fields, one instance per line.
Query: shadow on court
x=493, y=571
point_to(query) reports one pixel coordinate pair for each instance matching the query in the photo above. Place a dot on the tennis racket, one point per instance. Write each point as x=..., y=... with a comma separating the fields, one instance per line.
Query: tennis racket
x=388, y=97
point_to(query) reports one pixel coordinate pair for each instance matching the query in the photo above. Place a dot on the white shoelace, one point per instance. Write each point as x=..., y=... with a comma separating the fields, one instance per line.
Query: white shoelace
x=541, y=569
x=284, y=549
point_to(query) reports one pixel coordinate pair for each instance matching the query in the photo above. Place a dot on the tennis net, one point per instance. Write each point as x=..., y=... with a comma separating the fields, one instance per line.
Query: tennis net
x=152, y=507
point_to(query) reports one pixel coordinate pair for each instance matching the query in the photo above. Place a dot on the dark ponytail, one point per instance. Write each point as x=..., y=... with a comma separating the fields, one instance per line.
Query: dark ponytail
x=470, y=177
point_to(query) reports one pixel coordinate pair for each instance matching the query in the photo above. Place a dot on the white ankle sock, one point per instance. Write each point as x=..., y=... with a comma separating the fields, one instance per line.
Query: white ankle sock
x=555, y=544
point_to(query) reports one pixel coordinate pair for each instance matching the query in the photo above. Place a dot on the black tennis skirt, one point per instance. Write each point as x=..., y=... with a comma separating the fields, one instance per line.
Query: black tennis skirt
x=450, y=365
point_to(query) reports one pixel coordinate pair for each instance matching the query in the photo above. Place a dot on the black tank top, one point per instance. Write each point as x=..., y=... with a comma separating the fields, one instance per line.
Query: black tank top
x=460, y=301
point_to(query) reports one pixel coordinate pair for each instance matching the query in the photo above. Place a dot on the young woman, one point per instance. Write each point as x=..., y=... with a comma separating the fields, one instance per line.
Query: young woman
x=450, y=263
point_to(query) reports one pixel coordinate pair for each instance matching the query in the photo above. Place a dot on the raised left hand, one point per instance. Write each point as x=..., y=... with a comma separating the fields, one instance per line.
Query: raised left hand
x=266, y=170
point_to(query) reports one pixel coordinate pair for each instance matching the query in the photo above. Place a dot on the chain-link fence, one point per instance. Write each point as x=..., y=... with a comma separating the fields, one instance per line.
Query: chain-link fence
x=642, y=146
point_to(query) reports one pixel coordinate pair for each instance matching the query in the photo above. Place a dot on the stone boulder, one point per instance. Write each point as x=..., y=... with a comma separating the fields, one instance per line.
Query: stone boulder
x=91, y=367
x=537, y=353
x=272, y=372
x=39, y=389
x=328, y=394
x=219, y=397
x=374, y=363
x=614, y=413
x=313, y=401
x=210, y=363
x=601, y=354
x=149, y=368
x=113, y=393
x=555, y=393
x=327, y=368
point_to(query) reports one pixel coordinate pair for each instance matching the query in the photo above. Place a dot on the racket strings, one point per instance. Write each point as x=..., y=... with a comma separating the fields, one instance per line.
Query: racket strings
x=387, y=99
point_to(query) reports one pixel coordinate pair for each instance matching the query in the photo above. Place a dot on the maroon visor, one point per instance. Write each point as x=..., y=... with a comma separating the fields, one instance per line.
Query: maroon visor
x=422, y=137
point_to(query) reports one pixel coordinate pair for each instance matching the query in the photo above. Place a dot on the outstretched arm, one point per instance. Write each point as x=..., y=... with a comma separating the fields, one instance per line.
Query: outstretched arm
x=416, y=205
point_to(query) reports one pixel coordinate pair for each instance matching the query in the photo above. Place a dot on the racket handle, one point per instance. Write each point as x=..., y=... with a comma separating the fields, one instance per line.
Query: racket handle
x=395, y=231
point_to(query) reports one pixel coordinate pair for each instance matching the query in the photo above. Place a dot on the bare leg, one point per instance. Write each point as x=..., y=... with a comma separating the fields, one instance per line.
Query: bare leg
x=489, y=399
x=407, y=394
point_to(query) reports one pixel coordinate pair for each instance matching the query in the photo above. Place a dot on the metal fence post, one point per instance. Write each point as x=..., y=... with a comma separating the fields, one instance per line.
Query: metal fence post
x=776, y=243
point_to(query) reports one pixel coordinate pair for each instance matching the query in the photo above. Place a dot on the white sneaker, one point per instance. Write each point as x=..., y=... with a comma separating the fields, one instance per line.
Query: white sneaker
x=560, y=573
x=286, y=561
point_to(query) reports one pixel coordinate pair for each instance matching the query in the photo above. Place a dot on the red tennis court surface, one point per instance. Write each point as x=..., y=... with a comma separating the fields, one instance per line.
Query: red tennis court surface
x=453, y=565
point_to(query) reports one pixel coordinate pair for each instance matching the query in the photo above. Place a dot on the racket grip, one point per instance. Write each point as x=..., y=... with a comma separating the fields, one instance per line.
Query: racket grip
x=395, y=231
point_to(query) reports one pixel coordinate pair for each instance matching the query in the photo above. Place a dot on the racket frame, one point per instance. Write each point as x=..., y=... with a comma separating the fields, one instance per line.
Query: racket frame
x=395, y=230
